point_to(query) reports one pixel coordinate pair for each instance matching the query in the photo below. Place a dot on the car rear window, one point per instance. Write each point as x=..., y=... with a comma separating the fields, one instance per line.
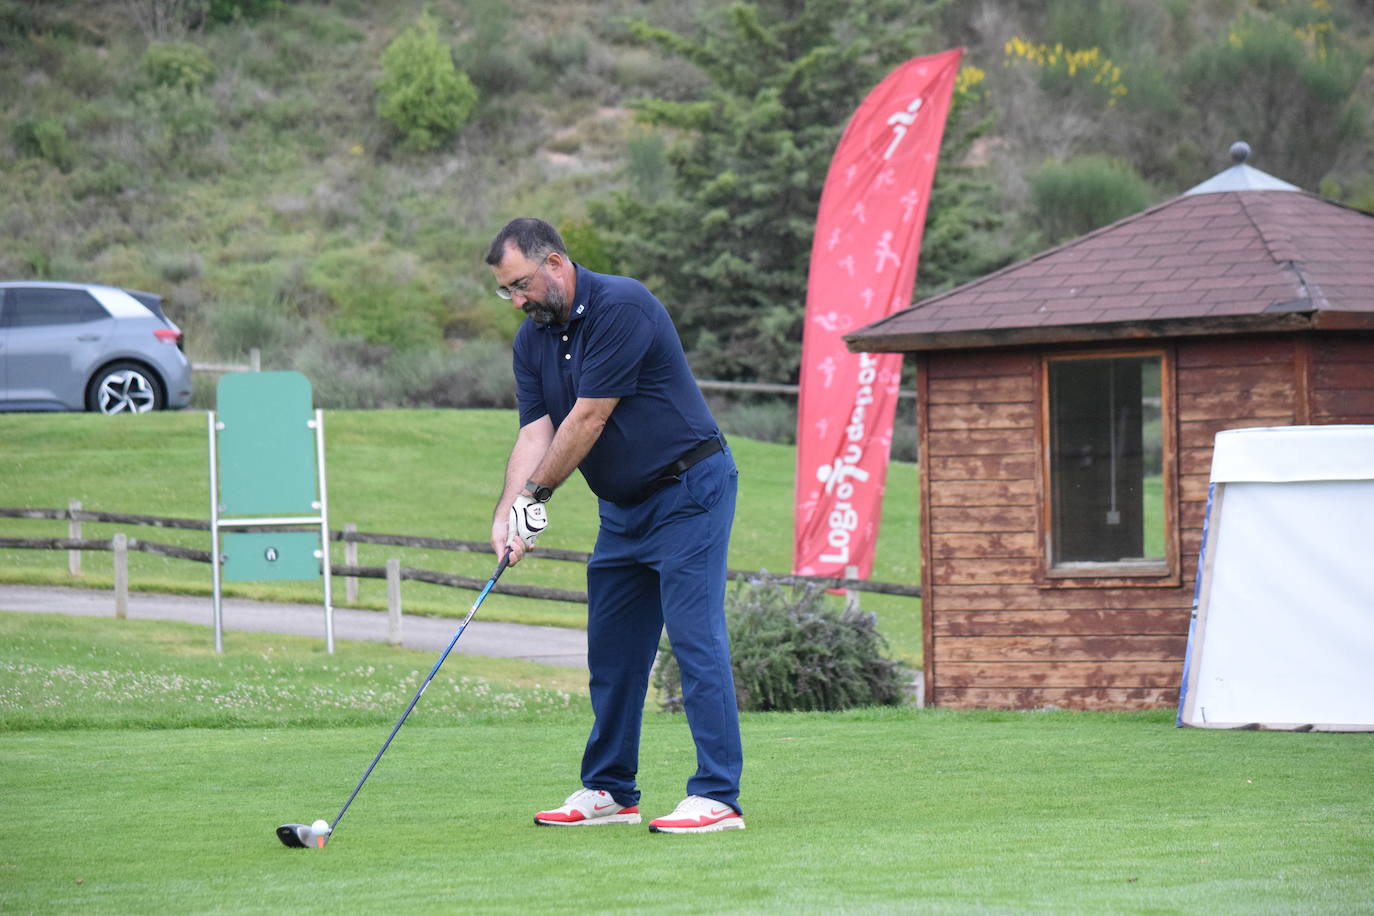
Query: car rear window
x=29, y=307
x=151, y=301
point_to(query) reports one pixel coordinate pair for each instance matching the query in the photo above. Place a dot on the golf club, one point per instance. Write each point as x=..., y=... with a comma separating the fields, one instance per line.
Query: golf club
x=301, y=836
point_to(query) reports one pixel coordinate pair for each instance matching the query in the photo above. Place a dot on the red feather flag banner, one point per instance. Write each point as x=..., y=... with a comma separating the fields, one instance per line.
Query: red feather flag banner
x=863, y=267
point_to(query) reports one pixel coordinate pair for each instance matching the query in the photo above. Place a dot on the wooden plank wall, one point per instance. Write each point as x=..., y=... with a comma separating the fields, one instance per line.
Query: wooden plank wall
x=997, y=636
x=1342, y=386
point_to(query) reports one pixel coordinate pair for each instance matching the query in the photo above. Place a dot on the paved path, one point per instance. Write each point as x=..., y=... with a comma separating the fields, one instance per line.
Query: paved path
x=549, y=645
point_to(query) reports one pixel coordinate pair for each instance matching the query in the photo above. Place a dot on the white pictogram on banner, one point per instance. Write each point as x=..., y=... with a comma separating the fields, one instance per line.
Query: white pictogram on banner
x=860, y=212
x=834, y=321
x=867, y=297
x=900, y=121
x=847, y=262
x=834, y=240
x=909, y=200
x=827, y=368
x=885, y=253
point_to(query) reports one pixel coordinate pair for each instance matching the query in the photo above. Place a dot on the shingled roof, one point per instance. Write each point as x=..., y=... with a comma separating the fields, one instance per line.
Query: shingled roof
x=1240, y=253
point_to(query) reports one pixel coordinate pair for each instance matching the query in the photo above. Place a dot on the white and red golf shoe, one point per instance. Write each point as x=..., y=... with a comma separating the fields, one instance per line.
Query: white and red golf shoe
x=697, y=814
x=586, y=808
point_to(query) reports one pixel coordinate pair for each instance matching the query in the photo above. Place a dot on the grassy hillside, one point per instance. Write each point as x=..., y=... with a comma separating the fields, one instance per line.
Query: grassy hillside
x=416, y=472
x=240, y=166
x=268, y=199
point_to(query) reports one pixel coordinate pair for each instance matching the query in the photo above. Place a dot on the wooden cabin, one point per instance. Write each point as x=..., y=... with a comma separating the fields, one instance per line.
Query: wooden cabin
x=1066, y=409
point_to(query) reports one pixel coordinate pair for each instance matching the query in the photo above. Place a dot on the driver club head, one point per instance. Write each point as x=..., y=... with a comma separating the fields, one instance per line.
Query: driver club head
x=296, y=836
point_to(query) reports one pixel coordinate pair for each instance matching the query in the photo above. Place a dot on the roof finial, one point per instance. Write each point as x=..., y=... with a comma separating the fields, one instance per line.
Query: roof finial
x=1241, y=177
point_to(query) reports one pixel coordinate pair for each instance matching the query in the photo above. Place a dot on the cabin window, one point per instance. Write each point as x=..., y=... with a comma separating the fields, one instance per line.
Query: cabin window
x=1106, y=465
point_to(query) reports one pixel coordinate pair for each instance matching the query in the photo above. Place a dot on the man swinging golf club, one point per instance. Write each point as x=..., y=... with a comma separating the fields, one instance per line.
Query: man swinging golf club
x=603, y=387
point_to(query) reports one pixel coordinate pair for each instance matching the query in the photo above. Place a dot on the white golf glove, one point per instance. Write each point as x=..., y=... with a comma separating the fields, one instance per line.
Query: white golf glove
x=528, y=517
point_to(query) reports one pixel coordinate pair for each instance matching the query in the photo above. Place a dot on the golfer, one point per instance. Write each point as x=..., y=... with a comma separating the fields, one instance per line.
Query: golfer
x=603, y=387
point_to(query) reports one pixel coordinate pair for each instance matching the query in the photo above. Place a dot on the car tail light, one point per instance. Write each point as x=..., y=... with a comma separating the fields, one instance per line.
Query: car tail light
x=167, y=335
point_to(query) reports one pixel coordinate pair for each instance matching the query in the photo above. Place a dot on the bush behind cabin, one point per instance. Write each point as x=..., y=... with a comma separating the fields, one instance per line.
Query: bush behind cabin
x=791, y=652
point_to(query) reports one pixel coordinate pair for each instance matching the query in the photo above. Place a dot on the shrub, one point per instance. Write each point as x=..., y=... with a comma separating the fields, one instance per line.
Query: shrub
x=421, y=93
x=767, y=419
x=380, y=295
x=905, y=445
x=177, y=64
x=346, y=374
x=486, y=52
x=237, y=329
x=106, y=181
x=791, y=652
x=176, y=266
x=1085, y=193
x=1065, y=69
x=45, y=138
x=475, y=374
x=1302, y=103
x=177, y=125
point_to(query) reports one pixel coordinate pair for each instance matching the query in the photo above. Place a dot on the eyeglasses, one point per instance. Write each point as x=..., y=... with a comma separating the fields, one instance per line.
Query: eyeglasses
x=521, y=285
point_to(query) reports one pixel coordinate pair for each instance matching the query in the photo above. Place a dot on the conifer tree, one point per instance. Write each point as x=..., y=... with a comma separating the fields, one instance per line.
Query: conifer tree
x=727, y=248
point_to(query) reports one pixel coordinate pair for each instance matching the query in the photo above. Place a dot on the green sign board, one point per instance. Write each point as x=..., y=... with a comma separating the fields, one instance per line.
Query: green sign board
x=264, y=556
x=267, y=460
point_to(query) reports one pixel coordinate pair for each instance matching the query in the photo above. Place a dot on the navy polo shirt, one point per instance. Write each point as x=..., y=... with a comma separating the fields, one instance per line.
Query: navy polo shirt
x=619, y=342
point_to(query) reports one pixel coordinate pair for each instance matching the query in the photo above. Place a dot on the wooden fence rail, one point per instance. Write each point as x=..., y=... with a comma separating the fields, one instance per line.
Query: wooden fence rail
x=362, y=572
x=254, y=364
x=377, y=572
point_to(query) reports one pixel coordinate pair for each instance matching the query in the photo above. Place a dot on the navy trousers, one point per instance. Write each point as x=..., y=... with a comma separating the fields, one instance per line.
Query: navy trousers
x=663, y=563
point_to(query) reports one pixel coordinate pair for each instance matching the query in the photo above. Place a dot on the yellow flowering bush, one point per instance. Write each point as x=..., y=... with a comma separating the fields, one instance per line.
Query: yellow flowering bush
x=1068, y=67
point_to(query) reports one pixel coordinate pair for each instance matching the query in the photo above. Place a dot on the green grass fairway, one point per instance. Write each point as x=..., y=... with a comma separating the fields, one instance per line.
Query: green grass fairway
x=896, y=810
x=78, y=672
x=419, y=472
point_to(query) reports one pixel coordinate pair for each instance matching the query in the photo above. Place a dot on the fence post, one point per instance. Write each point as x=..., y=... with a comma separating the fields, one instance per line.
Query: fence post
x=121, y=575
x=350, y=559
x=73, y=532
x=393, y=601
x=255, y=359
x=851, y=596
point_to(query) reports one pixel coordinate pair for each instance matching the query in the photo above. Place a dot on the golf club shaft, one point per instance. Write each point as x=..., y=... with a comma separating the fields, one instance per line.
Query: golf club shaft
x=500, y=568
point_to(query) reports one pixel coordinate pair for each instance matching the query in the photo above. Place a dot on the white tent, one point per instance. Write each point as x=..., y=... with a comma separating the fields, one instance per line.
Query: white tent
x=1283, y=626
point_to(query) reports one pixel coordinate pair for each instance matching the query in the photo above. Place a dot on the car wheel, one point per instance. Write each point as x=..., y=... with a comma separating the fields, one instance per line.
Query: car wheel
x=124, y=388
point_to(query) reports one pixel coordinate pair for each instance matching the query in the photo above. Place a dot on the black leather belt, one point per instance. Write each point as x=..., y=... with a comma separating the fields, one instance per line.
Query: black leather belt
x=673, y=473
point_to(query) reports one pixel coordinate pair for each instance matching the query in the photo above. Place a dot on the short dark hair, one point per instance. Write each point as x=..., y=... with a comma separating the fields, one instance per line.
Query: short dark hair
x=533, y=237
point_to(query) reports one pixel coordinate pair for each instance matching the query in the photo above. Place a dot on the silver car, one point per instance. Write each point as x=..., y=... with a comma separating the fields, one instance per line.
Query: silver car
x=77, y=346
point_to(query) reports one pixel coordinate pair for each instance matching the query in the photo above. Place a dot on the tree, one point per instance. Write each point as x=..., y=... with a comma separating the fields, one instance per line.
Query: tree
x=421, y=93
x=727, y=247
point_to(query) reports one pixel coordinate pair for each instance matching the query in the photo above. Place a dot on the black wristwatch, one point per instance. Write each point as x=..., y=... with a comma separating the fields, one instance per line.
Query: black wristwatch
x=539, y=491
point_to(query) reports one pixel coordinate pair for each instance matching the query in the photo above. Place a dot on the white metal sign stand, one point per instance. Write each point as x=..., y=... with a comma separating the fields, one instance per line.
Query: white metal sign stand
x=265, y=441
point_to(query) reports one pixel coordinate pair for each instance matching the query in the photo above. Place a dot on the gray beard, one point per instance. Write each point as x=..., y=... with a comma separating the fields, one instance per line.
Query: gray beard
x=550, y=311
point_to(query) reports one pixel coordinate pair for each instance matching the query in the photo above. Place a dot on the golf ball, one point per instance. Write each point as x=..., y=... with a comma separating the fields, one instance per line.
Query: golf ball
x=320, y=827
